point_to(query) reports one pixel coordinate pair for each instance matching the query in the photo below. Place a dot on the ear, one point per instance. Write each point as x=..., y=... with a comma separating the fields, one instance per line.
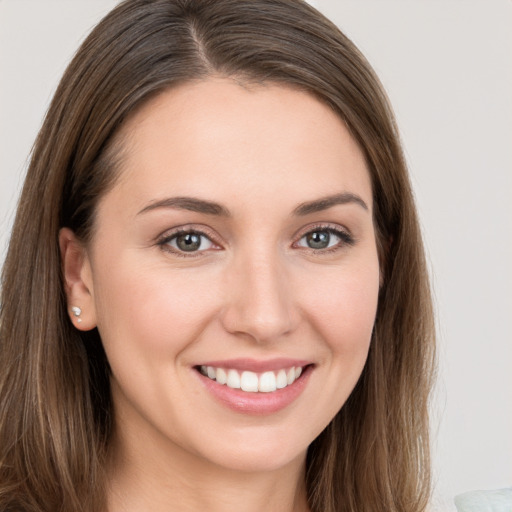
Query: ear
x=77, y=272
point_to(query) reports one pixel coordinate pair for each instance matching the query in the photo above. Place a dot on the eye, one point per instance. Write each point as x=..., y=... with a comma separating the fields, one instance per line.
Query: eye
x=188, y=242
x=325, y=238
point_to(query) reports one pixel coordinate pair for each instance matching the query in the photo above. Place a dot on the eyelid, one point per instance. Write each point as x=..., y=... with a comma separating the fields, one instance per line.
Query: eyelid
x=163, y=239
x=347, y=239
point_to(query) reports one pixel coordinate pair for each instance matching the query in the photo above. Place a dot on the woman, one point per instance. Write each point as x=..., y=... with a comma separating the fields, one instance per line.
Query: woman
x=215, y=294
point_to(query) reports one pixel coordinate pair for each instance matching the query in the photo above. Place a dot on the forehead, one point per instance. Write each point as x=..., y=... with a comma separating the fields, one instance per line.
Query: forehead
x=235, y=141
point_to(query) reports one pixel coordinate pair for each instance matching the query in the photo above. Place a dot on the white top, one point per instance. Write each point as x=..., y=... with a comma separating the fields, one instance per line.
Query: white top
x=499, y=500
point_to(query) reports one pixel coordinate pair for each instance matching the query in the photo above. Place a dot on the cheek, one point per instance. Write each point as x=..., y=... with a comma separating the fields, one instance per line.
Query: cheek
x=341, y=313
x=153, y=308
x=344, y=309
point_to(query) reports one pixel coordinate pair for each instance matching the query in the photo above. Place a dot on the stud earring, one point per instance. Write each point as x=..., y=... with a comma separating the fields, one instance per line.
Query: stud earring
x=77, y=312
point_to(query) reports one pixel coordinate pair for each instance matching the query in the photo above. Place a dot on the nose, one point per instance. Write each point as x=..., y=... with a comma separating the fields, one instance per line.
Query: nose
x=259, y=299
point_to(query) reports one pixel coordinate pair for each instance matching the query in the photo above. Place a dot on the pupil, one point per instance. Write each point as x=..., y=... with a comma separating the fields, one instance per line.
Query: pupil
x=318, y=240
x=189, y=242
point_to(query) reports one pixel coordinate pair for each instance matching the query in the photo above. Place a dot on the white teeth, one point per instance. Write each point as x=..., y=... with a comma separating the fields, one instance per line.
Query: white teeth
x=266, y=382
x=249, y=382
x=233, y=379
x=281, y=381
x=290, y=376
x=221, y=376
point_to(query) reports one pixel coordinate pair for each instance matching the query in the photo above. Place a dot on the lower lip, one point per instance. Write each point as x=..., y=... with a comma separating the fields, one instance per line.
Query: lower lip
x=256, y=403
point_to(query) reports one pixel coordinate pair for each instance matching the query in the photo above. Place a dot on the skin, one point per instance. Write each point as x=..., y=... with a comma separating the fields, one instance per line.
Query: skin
x=257, y=291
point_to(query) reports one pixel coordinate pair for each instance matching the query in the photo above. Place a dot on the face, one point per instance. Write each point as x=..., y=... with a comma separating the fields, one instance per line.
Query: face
x=236, y=249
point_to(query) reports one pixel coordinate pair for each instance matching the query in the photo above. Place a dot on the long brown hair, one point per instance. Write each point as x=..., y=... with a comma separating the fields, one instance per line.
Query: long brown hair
x=55, y=405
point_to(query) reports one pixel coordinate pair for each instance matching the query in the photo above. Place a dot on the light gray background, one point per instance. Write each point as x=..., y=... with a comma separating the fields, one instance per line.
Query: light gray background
x=447, y=67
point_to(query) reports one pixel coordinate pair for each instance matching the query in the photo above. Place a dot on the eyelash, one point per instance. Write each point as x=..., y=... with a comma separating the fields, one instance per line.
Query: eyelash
x=346, y=239
x=164, y=241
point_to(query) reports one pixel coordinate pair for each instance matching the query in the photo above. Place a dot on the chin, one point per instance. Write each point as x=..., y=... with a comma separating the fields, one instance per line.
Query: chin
x=261, y=461
x=257, y=451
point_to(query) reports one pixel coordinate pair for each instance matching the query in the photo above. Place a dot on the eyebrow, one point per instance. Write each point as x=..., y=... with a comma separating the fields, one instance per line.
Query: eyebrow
x=188, y=203
x=327, y=202
x=211, y=208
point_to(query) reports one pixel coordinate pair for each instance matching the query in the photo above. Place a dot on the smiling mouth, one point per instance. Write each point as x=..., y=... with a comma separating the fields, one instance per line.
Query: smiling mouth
x=252, y=382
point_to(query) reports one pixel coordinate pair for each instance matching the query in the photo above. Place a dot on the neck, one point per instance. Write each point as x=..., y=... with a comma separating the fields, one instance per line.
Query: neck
x=161, y=478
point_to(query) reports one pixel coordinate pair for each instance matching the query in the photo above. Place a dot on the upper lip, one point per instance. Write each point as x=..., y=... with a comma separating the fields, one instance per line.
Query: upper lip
x=257, y=366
